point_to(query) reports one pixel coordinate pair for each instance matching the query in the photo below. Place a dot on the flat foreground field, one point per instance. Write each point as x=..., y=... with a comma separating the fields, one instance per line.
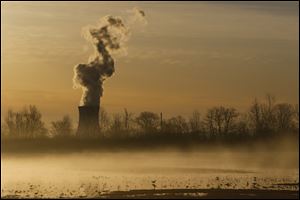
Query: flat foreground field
x=192, y=194
x=220, y=173
x=205, y=193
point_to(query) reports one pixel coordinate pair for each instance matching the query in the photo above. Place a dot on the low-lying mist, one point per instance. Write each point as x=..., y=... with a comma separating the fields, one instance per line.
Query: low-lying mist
x=207, y=166
x=282, y=154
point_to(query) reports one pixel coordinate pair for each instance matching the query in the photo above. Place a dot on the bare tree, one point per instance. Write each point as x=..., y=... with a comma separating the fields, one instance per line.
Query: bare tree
x=10, y=123
x=209, y=123
x=177, y=125
x=268, y=114
x=116, y=125
x=262, y=115
x=62, y=128
x=284, y=114
x=195, y=122
x=242, y=125
x=104, y=121
x=26, y=123
x=35, y=124
x=128, y=119
x=148, y=121
x=255, y=116
x=220, y=120
x=230, y=115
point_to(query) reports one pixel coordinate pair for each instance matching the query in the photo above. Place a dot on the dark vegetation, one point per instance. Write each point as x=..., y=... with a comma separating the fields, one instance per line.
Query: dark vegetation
x=204, y=194
x=263, y=121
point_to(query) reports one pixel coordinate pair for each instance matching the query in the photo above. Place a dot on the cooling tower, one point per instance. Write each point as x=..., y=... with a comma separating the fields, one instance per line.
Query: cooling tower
x=88, y=125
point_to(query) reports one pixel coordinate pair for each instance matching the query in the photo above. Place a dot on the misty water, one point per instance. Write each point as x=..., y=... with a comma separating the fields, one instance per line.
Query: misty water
x=90, y=174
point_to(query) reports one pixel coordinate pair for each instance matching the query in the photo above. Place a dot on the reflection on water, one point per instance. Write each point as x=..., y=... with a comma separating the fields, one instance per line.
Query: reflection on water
x=93, y=174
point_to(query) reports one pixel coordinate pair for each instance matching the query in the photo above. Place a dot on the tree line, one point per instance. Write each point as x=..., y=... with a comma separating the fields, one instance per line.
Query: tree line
x=263, y=119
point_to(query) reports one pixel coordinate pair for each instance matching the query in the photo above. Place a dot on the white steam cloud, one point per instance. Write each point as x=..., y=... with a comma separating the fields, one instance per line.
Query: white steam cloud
x=108, y=38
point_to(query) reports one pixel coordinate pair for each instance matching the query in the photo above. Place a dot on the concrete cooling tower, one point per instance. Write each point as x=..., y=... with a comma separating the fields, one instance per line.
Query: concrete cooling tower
x=88, y=121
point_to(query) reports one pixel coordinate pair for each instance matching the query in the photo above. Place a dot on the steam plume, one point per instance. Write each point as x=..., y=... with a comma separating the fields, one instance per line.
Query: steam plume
x=108, y=38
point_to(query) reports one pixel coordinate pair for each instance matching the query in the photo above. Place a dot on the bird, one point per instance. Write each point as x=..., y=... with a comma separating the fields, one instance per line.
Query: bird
x=153, y=184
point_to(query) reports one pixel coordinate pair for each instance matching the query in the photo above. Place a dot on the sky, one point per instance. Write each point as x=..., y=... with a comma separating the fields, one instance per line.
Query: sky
x=190, y=56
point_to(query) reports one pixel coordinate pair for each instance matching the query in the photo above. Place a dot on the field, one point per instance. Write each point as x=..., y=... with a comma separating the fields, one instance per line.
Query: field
x=168, y=173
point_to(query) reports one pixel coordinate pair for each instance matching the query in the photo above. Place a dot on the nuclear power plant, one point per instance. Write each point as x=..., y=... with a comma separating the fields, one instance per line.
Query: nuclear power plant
x=88, y=125
x=107, y=37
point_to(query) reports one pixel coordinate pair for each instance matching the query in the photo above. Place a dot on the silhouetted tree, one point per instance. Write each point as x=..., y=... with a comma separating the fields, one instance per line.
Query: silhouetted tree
x=220, y=120
x=176, y=125
x=263, y=119
x=268, y=114
x=161, y=121
x=209, y=123
x=10, y=123
x=62, y=128
x=230, y=114
x=104, y=121
x=148, y=121
x=128, y=119
x=26, y=123
x=262, y=116
x=242, y=127
x=195, y=122
x=255, y=116
x=116, y=128
x=284, y=114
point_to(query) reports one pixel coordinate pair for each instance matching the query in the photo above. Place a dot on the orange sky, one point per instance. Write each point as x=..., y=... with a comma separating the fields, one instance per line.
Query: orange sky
x=190, y=56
